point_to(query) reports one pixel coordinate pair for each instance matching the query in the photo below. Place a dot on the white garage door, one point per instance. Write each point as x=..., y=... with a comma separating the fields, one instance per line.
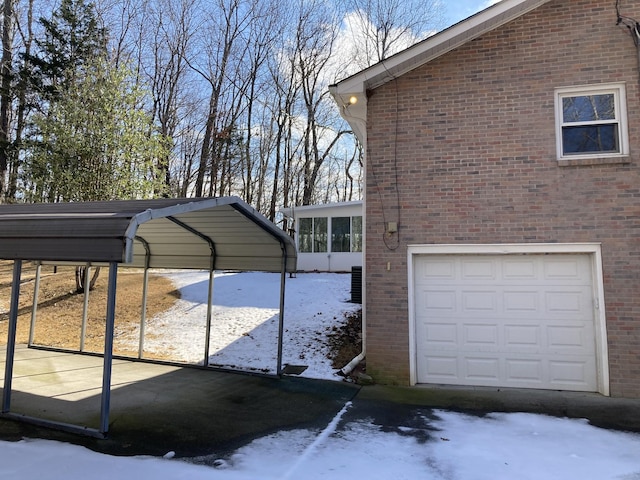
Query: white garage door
x=523, y=321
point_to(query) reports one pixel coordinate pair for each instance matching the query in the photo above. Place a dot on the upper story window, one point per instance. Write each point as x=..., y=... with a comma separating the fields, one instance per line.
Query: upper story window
x=591, y=122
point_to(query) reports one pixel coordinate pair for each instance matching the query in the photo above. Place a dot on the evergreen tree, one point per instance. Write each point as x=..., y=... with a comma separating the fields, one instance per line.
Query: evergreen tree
x=71, y=41
x=95, y=143
x=91, y=139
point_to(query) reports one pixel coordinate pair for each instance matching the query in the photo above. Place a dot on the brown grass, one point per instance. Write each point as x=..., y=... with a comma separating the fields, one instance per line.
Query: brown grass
x=59, y=311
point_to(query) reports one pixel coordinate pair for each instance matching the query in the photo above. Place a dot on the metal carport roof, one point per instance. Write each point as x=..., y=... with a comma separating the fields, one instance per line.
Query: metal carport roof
x=197, y=233
x=180, y=233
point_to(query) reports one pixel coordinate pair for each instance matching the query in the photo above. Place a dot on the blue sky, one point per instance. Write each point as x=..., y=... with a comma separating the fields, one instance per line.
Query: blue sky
x=457, y=10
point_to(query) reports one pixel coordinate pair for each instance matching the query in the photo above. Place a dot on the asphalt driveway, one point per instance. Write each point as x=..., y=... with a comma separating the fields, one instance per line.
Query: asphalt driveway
x=161, y=408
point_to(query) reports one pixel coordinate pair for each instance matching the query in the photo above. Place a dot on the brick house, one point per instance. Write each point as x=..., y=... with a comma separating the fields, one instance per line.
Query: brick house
x=502, y=201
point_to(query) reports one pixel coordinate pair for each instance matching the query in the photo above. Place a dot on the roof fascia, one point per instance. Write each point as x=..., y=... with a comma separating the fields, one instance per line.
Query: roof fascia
x=289, y=211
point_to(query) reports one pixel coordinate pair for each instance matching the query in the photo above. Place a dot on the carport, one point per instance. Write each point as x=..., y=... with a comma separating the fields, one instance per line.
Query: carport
x=197, y=233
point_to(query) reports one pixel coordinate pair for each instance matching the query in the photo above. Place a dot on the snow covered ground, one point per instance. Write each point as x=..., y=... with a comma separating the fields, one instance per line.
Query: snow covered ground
x=244, y=329
x=498, y=447
x=443, y=446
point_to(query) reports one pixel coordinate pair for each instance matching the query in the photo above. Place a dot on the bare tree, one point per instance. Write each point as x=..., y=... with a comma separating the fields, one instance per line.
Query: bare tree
x=6, y=67
x=226, y=21
x=381, y=28
x=173, y=30
x=267, y=28
x=315, y=39
x=286, y=92
x=24, y=29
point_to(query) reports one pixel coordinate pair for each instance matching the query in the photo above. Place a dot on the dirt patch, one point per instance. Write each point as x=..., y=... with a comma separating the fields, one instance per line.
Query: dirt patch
x=60, y=308
x=345, y=341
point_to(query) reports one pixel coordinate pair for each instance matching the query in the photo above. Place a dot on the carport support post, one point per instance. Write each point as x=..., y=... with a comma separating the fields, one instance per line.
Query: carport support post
x=207, y=340
x=11, y=336
x=85, y=305
x=145, y=293
x=283, y=275
x=143, y=316
x=108, y=348
x=34, y=308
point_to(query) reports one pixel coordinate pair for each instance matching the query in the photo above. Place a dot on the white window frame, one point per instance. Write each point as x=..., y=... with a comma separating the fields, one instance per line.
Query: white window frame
x=620, y=102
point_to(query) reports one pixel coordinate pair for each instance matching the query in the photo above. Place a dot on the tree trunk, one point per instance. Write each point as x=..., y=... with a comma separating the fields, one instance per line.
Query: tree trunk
x=81, y=275
x=205, y=152
x=5, y=93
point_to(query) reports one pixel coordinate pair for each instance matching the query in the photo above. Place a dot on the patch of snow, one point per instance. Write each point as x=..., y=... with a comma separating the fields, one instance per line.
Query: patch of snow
x=245, y=320
x=497, y=447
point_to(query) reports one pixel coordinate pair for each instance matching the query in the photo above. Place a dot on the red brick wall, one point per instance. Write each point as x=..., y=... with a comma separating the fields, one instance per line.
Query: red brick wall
x=462, y=150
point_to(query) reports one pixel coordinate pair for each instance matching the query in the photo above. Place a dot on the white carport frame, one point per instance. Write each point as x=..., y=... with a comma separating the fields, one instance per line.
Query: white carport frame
x=198, y=233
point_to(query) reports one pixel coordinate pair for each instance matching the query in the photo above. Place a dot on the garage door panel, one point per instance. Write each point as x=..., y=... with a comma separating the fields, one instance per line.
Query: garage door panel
x=522, y=370
x=509, y=372
x=442, y=368
x=440, y=335
x=442, y=270
x=523, y=269
x=518, y=336
x=564, y=270
x=474, y=270
x=567, y=340
x=480, y=301
x=521, y=302
x=437, y=301
x=577, y=302
x=511, y=320
x=476, y=336
x=574, y=374
x=481, y=369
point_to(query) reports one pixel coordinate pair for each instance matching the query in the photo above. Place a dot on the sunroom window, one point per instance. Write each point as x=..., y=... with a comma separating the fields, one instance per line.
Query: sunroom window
x=591, y=122
x=345, y=234
x=340, y=234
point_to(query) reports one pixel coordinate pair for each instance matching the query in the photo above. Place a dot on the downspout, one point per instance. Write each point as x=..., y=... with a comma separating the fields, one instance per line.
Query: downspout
x=353, y=108
x=355, y=361
x=349, y=367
